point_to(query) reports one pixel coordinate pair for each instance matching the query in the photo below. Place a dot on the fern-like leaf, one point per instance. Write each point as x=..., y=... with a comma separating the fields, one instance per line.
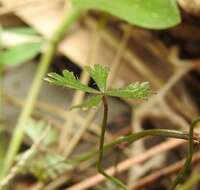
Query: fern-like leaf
x=68, y=80
x=132, y=91
x=99, y=74
x=92, y=102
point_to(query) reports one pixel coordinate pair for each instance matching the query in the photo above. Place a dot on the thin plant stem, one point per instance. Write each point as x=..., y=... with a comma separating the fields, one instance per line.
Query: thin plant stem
x=1, y=98
x=69, y=18
x=194, y=179
x=168, y=133
x=101, y=149
x=91, y=60
x=2, y=67
x=188, y=161
x=79, y=95
x=127, y=139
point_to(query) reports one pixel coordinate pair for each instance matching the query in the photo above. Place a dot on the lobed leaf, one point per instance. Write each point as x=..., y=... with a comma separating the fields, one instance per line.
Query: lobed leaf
x=99, y=73
x=154, y=14
x=132, y=91
x=68, y=80
x=92, y=102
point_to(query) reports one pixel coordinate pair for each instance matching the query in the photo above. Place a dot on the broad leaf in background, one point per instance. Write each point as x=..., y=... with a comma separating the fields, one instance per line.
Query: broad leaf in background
x=68, y=80
x=35, y=129
x=132, y=91
x=92, y=102
x=20, y=54
x=99, y=73
x=154, y=14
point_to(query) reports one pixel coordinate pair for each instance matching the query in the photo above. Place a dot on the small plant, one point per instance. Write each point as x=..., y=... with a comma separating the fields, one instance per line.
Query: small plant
x=134, y=91
x=153, y=14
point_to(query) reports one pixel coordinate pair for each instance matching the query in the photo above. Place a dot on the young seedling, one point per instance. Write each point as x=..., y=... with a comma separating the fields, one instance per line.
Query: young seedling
x=153, y=14
x=100, y=74
x=134, y=91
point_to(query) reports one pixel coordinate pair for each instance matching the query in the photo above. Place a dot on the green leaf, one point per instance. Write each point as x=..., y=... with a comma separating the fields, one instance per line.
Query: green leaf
x=89, y=103
x=132, y=91
x=35, y=129
x=68, y=80
x=4, y=140
x=20, y=54
x=46, y=166
x=154, y=14
x=22, y=30
x=99, y=73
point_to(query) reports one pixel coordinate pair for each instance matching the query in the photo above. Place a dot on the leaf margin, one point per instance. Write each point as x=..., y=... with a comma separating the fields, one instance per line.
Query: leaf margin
x=136, y=91
x=68, y=80
x=91, y=102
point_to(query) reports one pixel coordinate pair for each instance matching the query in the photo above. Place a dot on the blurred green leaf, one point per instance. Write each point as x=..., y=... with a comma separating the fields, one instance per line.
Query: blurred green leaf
x=3, y=147
x=99, y=73
x=68, y=80
x=92, y=102
x=154, y=14
x=34, y=130
x=46, y=166
x=22, y=30
x=20, y=54
x=132, y=91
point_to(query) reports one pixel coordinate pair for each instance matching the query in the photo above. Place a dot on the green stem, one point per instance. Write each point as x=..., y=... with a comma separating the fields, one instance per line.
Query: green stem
x=194, y=179
x=1, y=98
x=2, y=67
x=68, y=20
x=188, y=161
x=101, y=148
x=134, y=137
x=128, y=139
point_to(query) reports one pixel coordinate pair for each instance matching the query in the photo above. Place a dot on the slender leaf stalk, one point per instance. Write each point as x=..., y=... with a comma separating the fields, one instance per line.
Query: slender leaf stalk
x=101, y=149
x=188, y=161
x=69, y=18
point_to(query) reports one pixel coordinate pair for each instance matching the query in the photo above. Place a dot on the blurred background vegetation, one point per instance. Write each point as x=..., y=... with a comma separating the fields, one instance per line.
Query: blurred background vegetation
x=169, y=59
